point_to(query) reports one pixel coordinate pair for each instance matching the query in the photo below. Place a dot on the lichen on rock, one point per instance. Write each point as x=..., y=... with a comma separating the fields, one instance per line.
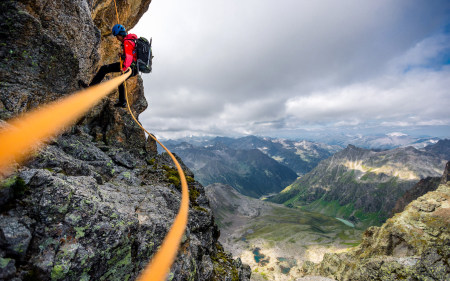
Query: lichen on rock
x=79, y=220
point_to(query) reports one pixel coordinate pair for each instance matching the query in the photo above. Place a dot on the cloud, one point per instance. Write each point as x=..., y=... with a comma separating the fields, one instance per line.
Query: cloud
x=432, y=52
x=418, y=95
x=183, y=102
x=238, y=67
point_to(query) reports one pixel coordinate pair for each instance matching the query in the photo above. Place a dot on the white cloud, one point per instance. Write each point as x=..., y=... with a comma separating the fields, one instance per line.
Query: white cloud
x=418, y=95
x=424, y=53
x=239, y=67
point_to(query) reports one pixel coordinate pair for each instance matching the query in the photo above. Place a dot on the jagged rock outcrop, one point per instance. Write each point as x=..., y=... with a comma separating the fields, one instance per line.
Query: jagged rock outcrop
x=97, y=201
x=114, y=126
x=412, y=245
x=361, y=185
x=422, y=187
x=81, y=210
x=47, y=46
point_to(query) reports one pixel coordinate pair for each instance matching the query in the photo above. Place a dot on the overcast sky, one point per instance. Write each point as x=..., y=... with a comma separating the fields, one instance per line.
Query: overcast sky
x=280, y=68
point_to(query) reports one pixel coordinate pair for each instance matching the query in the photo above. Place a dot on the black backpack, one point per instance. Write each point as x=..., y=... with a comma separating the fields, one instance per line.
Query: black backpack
x=143, y=49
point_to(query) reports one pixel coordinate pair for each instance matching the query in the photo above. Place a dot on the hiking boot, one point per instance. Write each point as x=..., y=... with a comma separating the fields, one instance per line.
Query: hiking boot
x=82, y=84
x=121, y=104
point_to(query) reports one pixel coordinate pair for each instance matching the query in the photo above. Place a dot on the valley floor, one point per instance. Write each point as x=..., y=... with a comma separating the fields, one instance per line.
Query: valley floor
x=273, y=239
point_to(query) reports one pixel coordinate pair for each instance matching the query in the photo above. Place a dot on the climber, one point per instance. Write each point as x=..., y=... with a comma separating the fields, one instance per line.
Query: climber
x=128, y=55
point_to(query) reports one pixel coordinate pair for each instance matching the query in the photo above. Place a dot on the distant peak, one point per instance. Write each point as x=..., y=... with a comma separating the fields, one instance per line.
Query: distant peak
x=396, y=134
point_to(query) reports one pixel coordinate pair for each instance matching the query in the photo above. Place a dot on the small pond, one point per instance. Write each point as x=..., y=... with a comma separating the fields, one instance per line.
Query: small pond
x=286, y=264
x=346, y=222
x=260, y=258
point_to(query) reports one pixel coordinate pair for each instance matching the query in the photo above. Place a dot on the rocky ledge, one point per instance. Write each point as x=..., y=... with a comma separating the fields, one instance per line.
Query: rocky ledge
x=82, y=210
x=412, y=245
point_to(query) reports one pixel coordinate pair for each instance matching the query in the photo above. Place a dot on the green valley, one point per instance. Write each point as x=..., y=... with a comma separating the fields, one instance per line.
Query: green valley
x=361, y=185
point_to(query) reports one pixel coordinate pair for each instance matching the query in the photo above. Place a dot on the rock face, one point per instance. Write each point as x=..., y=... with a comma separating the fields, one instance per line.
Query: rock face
x=422, y=187
x=50, y=45
x=412, y=245
x=361, y=185
x=81, y=210
x=96, y=202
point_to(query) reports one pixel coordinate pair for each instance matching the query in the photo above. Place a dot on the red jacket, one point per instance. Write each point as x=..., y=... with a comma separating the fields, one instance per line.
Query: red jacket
x=129, y=50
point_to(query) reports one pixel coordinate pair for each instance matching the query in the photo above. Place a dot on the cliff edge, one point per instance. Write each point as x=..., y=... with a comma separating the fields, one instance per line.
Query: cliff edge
x=97, y=201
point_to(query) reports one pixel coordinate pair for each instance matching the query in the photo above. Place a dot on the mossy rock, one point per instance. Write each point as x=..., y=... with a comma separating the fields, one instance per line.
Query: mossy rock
x=17, y=185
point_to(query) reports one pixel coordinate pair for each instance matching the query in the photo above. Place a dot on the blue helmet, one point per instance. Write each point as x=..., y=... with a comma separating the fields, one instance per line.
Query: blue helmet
x=119, y=29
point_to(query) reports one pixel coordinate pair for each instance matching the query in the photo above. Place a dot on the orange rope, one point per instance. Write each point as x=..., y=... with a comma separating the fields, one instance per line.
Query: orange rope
x=27, y=133
x=160, y=265
x=117, y=14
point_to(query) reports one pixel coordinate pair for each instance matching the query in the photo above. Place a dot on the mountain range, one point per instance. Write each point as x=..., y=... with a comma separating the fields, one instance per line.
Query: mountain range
x=363, y=185
x=300, y=156
x=250, y=171
x=373, y=141
x=254, y=166
x=97, y=201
